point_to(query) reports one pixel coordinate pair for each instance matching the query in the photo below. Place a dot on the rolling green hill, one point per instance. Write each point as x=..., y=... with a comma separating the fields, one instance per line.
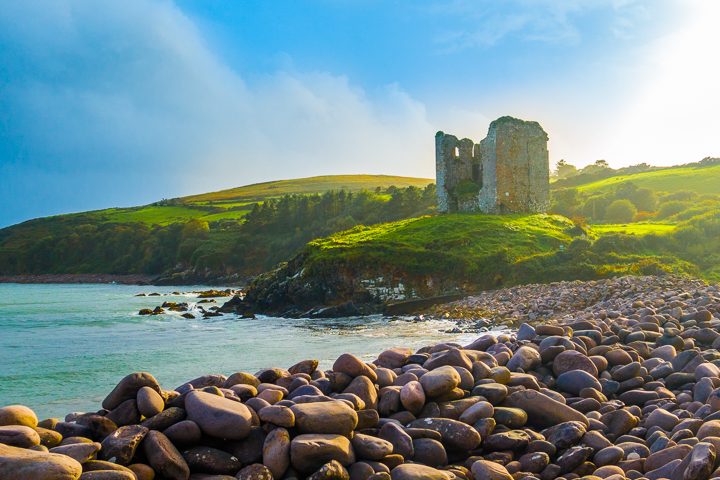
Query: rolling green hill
x=235, y=203
x=698, y=179
x=622, y=222
x=230, y=234
x=444, y=254
x=259, y=191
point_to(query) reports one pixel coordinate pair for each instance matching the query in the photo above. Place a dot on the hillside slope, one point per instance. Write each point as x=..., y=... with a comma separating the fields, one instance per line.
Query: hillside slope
x=361, y=269
x=208, y=236
x=698, y=179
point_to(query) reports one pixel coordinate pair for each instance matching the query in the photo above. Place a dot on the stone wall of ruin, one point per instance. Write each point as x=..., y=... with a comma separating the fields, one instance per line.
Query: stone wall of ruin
x=510, y=168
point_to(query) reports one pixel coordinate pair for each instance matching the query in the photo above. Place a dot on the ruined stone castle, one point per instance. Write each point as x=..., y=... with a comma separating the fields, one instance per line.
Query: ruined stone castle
x=507, y=172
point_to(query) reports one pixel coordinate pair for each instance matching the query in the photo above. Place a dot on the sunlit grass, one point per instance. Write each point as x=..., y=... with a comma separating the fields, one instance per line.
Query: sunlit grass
x=700, y=180
x=644, y=228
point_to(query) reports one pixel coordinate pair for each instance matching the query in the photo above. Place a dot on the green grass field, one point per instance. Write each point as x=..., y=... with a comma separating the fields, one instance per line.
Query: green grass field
x=235, y=203
x=640, y=228
x=701, y=180
x=444, y=242
x=319, y=184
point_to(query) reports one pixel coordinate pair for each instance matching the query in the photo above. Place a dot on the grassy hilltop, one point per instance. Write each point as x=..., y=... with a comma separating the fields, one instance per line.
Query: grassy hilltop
x=235, y=203
x=236, y=232
x=606, y=222
x=632, y=223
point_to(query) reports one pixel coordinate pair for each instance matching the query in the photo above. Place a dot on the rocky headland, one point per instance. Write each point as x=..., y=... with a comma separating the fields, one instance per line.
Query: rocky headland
x=627, y=385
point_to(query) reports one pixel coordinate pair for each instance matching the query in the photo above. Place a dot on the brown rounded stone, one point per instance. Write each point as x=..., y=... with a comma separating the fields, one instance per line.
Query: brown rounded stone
x=19, y=463
x=185, y=432
x=142, y=471
x=440, y=381
x=82, y=452
x=325, y=417
x=217, y=416
x=410, y=471
x=256, y=471
x=48, y=438
x=276, y=452
x=120, y=445
x=149, y=402
x=371, y=448
x=573, y=360
x=412, y=397
x=211, y=460
x=128, y=387
x=18, y=415
x=455, y=434
x=311, y=451
x=483, y=469
x=542, y=410
x=19, y=436
x=108, y=475
x=164, y=458
x=241, y=378
x=351, y=365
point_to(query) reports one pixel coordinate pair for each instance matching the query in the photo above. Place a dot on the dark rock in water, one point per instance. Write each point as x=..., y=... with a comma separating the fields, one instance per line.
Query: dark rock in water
x=347, y=309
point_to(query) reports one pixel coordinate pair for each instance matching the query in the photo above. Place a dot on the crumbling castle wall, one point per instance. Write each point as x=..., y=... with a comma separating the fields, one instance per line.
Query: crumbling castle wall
x=507, y=172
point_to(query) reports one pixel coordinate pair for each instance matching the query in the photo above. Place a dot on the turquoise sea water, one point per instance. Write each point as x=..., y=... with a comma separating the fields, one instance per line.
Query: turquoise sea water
x=64, y=347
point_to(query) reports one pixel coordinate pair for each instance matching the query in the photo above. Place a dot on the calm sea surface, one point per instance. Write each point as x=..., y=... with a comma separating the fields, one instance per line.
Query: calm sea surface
x=64, y=347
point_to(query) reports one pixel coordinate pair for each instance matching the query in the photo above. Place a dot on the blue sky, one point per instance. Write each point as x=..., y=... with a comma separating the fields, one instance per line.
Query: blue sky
x=108, y=103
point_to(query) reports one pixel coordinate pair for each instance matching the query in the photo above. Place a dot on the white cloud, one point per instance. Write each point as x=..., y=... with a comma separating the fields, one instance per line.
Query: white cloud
x=675, y=117
x=130, y=91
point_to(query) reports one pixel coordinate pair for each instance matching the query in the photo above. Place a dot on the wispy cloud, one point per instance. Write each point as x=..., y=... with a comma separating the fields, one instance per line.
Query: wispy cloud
x=485, y=23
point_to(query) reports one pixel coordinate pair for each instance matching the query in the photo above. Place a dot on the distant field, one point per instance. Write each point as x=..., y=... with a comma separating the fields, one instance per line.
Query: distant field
x=645, y=228
x=307, y=185
x=702, y=180
x=235, y=203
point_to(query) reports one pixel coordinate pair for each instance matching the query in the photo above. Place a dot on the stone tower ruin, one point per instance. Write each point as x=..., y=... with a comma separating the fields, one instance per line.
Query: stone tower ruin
x=507, y=172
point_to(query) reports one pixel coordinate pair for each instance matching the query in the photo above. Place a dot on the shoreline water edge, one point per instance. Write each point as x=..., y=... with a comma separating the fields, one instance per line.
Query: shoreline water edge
x=628, y=387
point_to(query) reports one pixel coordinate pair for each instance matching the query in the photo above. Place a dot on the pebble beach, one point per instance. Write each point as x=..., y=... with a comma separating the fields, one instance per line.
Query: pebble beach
x=609, y=379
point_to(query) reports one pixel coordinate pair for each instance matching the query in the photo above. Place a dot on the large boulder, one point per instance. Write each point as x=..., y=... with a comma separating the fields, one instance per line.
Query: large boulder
x=325, y=417
x=18, y=463
x=542, y=410
x=128, y=388
x=311, y=451
x=217, y=416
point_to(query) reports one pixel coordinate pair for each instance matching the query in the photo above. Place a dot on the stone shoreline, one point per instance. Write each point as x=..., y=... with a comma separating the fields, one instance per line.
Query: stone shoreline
x=620, y=380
